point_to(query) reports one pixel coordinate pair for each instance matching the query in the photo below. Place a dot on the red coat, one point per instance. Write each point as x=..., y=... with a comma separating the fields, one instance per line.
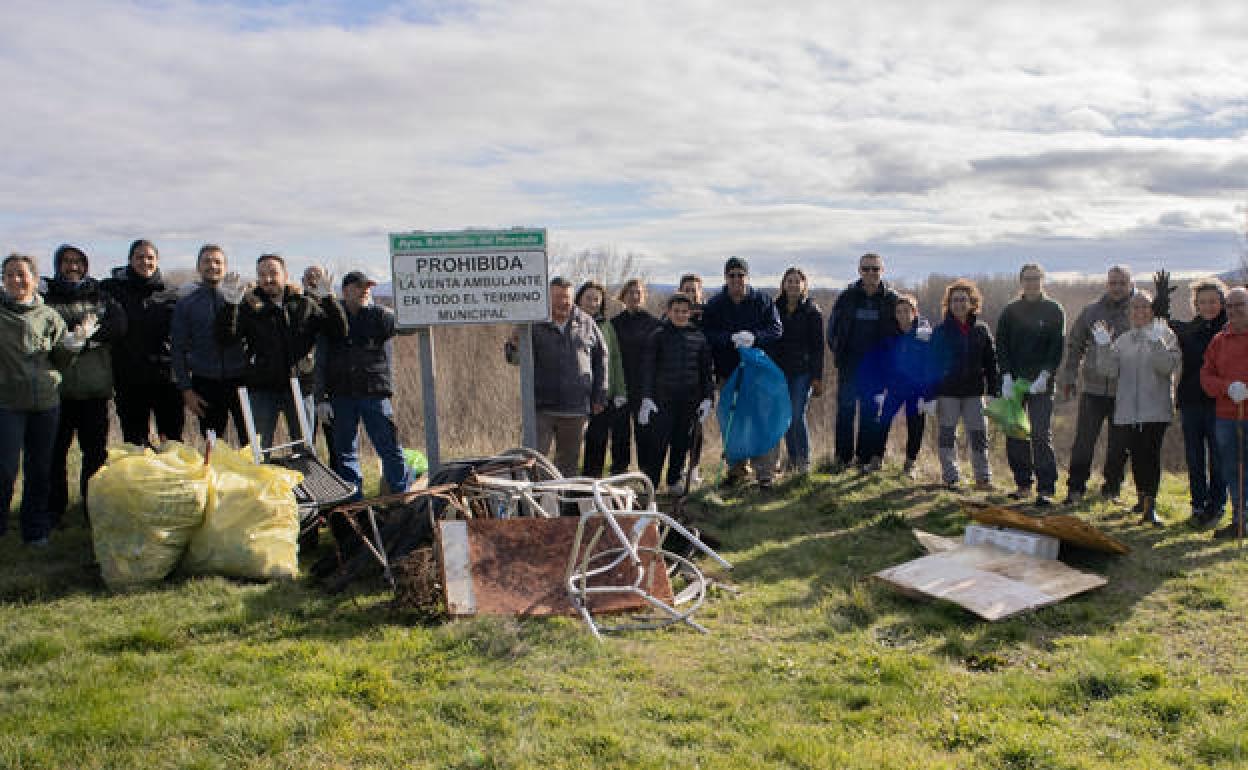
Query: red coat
x=1226, y=361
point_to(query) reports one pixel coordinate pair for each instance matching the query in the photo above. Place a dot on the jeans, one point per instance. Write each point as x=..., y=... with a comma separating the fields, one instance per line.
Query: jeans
x=1035, y=455
x=1093, y=412
x=221, y=397
x=266, y=405
x=137, y=403
x=970, y=411
x=1205, y=478
x=915, y=422
x=1231, y=451
x=670, y=428
x=377, y=414
x=27, y=436
x=797, y=438
x=567, y=434
x=1143, y=442
x=88, y=418
x=851, y=402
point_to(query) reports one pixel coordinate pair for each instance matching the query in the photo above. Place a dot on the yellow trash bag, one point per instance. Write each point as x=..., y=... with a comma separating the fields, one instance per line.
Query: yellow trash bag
x=251, y=525
x=144, y=507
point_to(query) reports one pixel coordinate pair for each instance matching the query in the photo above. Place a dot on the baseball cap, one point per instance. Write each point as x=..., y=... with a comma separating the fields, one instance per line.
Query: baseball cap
x=358, y=276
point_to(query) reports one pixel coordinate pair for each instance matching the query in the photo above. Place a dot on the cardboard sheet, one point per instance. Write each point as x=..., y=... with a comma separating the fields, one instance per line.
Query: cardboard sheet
x=1064, y=527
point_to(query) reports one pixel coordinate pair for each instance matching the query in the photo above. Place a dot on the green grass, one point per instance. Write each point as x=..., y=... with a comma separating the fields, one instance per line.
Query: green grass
x=812, y=665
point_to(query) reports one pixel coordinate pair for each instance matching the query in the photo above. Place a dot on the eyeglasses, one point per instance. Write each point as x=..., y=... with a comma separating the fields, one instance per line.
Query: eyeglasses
x=869, y=269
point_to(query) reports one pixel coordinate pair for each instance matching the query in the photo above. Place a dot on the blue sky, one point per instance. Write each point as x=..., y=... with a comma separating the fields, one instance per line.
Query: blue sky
x=950, y=137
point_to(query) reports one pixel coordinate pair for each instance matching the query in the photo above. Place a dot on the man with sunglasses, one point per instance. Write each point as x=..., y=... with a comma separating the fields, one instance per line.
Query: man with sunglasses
x=862, y=318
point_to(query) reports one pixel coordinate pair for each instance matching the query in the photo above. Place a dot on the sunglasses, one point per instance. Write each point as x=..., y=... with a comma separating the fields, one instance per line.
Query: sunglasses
x=871, y=269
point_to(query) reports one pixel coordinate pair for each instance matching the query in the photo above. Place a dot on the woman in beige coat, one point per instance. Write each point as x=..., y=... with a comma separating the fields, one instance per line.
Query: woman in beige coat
x=1145, y=360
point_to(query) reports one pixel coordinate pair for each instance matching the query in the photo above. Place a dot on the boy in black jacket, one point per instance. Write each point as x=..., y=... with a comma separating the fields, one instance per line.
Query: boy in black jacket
x=676, y=390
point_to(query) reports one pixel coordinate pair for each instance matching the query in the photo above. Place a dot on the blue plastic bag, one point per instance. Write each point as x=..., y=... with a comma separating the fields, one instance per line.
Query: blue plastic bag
x=754, y=410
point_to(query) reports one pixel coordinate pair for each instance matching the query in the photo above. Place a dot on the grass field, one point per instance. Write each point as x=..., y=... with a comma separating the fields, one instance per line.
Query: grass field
x=811, y=665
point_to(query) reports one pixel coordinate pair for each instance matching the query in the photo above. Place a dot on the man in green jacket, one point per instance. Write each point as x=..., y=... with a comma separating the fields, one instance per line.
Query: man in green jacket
x=1030, y=335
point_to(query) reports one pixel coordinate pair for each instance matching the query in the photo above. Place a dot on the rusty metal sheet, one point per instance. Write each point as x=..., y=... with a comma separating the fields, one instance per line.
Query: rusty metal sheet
x=1064, y=527
x=990, y=582
x=518, y=567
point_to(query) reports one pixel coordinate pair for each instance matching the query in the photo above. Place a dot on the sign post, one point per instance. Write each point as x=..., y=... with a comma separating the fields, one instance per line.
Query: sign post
x=470, y=277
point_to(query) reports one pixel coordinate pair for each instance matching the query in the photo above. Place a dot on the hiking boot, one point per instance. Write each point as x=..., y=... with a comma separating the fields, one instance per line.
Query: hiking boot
x=1149, y=511
x=873, y=465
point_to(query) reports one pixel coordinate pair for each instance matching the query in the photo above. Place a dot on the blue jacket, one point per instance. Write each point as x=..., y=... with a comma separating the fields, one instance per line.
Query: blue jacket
x=903, y=365
x=755, y=313
x=197, y=344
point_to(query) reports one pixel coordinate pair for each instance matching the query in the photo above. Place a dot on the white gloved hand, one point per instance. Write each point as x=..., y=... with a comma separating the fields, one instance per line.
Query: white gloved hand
x=704, y=409
x=619, y=401
x=232, y=288
x=743, y=339
x=324, y=412
x=1041, y=384
x=321, y=286
x=1154, y=331
x=1007, y=385
x=1100, y=333
x=924, y=331
x=648, y=408
x=1238, y=391
x=927, y=407
x=878, y=398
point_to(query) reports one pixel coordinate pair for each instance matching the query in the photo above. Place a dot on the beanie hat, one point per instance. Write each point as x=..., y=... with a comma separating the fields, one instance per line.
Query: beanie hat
x=736, y=263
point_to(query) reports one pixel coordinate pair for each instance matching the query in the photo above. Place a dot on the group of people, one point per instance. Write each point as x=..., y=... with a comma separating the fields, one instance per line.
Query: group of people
x=651, y=381
x=71, y=343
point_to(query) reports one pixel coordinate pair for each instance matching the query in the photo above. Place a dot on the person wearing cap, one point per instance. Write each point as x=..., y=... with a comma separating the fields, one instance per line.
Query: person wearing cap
x=741, y=316
x=208, y=368
x=863, y=317
x=34, y=346
x=87, y=381
x=279, y=325
x=355, y=382
x=143, y=358
x=569, y=375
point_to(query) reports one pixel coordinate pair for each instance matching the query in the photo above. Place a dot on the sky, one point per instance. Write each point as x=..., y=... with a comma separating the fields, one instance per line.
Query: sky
x=957, y=137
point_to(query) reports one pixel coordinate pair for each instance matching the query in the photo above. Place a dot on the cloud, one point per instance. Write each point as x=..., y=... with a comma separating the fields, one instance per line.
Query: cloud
x=687, y=131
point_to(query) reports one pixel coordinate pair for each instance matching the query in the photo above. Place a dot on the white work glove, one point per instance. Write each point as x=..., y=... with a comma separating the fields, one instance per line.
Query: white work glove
x=1041, y=384
x=322, y=286
x=927, y=407
x=232, y=288
x=924, y=331
x=878, y=398
x=1007, y=385
x=647, y=408
x=1154, y=331
x=1100, y=333
x=324, y=412
x=743, y=339
x=1238, y=391
x=704, y=409
x=77, y=337
x=620, y=401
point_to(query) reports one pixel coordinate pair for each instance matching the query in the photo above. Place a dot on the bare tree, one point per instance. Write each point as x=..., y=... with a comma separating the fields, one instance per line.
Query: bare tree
x=605, y=264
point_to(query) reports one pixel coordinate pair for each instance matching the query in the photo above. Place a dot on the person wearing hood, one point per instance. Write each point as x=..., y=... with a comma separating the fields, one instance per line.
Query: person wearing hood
x=799, y=354
x=863, y=316
x=279, y=325
x=1030, y=337
x=142, y=357
x=1197, y=410
x=87, y=381
x=208, y=368
x=34, y=347
x=1096, y=389
x=964, y=358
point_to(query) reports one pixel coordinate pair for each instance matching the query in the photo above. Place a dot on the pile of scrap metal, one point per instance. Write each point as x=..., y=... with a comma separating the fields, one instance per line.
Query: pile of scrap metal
x=509, y=535
x=1004, y=565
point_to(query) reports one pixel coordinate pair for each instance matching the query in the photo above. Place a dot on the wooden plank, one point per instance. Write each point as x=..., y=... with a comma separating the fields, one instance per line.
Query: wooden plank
x=1064, y=527
x=517, y=566
x=992, y=583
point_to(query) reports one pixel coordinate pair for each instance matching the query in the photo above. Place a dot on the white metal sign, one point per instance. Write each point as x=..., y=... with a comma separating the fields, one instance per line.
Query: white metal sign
x=469, y=277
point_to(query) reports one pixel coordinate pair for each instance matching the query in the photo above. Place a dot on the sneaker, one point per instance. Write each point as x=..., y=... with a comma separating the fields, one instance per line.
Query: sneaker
x=1229, y=532
x=873, y=465
x=1043, y=501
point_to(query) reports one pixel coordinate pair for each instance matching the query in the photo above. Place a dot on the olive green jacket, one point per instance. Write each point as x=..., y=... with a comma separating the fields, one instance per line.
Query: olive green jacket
x=31, y=356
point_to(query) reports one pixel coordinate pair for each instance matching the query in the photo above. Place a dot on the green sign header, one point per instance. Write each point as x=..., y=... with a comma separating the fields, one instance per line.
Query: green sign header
x=468, y=240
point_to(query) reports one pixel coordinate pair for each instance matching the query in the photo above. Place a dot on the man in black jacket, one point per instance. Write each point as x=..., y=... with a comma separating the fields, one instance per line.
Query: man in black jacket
x=279, y=325
x=863, y=317
x=142, y=358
